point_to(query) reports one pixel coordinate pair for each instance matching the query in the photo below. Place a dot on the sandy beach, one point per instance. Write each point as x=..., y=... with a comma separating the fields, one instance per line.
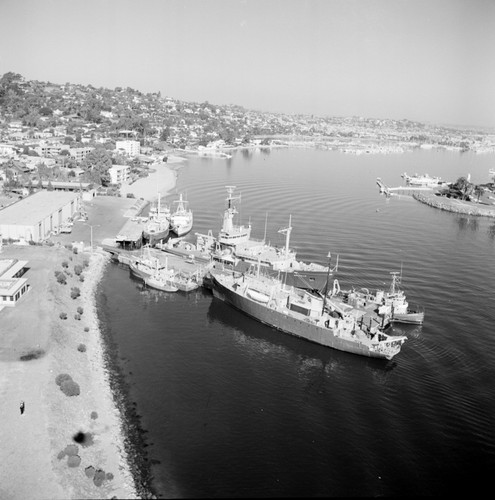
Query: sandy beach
x=37, y=346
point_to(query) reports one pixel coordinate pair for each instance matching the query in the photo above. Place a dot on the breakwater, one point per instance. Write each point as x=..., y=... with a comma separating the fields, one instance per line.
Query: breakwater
x=453, y=205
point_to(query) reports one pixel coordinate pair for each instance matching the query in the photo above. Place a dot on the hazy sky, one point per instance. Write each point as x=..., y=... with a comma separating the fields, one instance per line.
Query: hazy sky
x=425, y=60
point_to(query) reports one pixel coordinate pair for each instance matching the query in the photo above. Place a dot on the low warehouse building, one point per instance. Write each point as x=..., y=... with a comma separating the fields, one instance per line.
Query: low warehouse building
x=35, y=217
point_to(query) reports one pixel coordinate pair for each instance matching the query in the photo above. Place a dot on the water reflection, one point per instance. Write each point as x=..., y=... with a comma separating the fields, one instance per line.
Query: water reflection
x=258, y=339
x=465, y=223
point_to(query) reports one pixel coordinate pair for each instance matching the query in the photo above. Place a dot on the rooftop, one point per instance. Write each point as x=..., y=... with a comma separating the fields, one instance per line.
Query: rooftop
x=36, y=207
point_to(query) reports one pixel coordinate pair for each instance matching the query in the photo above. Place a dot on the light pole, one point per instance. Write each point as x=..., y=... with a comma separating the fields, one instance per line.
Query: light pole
x=91, y=233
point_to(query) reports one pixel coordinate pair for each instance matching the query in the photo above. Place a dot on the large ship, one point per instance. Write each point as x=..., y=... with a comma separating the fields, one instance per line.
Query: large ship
x=234, y=244
x=158, y=226
x=232, y=234
x=181, y=220
x=325, y=319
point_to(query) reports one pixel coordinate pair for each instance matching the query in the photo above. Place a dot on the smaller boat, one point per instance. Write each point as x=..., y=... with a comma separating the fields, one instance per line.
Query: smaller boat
x=181, y=221
x=159, y=283
x=392, y=305
x=424, y=180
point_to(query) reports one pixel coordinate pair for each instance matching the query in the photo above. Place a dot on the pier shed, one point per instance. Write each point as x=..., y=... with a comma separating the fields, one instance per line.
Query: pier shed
x=33, y=218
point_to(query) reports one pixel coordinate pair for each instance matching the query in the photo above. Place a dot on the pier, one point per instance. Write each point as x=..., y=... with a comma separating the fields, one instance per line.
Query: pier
x=389, y=191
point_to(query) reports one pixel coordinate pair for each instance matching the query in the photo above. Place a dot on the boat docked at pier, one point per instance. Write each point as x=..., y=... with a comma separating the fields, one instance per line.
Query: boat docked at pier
x=392, y=305
x=294, y=272
x=424, y=180
x=321, y=319
x=157, y=227
x=230, y=233
x=181, y=220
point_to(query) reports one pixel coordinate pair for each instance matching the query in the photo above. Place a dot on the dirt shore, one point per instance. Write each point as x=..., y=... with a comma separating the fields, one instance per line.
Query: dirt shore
x=454, y=205
x=37, y=345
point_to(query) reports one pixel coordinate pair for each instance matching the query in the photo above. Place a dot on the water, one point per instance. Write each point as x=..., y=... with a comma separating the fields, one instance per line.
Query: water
x=232, y=408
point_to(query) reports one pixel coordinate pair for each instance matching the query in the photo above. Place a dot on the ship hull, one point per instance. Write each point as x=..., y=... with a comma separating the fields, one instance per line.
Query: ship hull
x=409, y=318
x=154, y=237
x=303, y=328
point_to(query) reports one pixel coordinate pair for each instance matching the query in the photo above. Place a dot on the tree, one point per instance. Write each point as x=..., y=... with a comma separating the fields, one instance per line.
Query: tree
x=96, y=166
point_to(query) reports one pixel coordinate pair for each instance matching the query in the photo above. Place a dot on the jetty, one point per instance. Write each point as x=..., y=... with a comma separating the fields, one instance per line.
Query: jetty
x=389, y=191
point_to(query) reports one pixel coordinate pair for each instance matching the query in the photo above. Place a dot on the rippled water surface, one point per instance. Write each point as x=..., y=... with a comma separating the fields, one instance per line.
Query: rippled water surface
x=232, y=408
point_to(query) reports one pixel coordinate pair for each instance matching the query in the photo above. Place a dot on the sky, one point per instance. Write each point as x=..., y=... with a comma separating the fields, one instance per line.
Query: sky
x=431, y=61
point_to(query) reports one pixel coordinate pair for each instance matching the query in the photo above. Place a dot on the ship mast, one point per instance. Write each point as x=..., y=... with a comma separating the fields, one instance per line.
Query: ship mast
x=287, y=232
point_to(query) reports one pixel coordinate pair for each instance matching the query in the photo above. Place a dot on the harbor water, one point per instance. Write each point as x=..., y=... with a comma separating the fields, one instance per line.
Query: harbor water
x=228, y=407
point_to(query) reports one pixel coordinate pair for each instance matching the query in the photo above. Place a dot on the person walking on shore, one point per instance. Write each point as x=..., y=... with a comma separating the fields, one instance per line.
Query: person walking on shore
x=22, y=406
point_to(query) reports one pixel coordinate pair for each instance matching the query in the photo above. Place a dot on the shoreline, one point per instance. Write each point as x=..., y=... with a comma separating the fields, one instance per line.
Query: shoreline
x=454, y=205
x=34, y=462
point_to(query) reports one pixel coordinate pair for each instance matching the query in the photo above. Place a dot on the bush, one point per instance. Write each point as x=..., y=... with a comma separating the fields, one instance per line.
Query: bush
x=85, y=262
x=99, y=477
x=61, y=278
x=80, y=310
x=74, y=461
x=81, y=278
x=81, y=348
x=109, y=476
x=75, y=292
x=63, y=315
x=78, y=269
x=94, y=415
x=65, y=264
x=90, y=471
x=86, y=328
x=71, y=450
x=70, y=388
x=77, y=316
x=61, y=455
x=75, y=250
x=61, y=378
x=130, y=195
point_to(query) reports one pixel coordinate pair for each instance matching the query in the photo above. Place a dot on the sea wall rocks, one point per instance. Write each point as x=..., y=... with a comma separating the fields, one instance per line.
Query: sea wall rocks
x=453, y=205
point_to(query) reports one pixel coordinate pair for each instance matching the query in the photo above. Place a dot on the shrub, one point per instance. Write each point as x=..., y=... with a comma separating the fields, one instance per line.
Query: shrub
x=75, y=292
x=70, y=388
x=77, y=316
x=130, y=195
x=85, y=262
x=78, y=269
x=63, y=315
x=99, y=477
x=86, y=328
x=74, y=461
x=94, y=415
x=75, y=250
x=61, y=378
x=109, y=476
x=61, y=455
x=65, y=264
x=81, y=348
x=84, y=438
x=71, y=450
x=61, y=278
x=90, y=471
x=80, y=310
x=81, y=278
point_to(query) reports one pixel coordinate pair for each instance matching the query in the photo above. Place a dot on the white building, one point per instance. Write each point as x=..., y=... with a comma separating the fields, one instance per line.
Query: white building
x=130, y=148
x=12, y=285
x=119, y=174
x=33, y=218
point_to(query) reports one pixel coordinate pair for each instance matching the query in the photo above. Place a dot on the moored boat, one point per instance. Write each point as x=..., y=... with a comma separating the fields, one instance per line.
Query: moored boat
x=158, y=226
x=391, y=304
x=324, y=320
x=424, y=180
x=181, y=220
x=160, y=283
x=230, y=233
